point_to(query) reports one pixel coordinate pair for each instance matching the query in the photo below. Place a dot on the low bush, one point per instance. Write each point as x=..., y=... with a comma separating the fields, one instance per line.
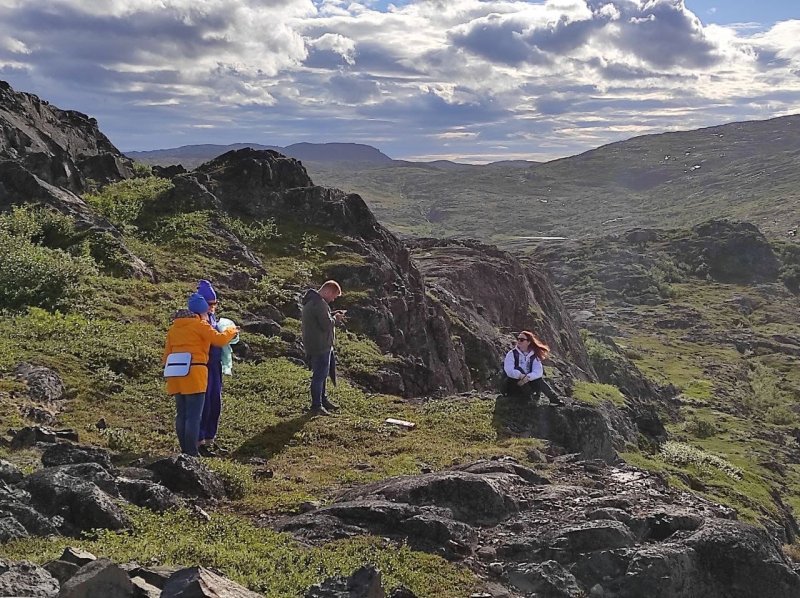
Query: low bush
x=122, y=203
x=36, y=276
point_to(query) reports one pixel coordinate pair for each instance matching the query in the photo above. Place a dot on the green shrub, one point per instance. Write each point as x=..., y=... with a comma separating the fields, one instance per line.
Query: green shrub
x=39, y=226
x=122, y=203
x=256, y=233
x=701, y=428
x=180, y=228
x=36, y=276
x=142, y=170
x=767, y=399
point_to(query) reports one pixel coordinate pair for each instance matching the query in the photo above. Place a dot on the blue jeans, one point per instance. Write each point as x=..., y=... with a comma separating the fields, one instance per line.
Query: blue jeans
x=320, y=367
x=188, y=411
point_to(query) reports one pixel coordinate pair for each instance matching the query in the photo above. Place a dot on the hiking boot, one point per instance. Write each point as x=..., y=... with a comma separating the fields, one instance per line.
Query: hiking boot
x=329, y=406
x=318, y=410
x=205, y=451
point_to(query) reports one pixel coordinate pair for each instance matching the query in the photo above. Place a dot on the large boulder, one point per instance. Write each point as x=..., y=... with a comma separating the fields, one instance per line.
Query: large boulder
x=188, y=476
x=44, y=384
x=17, y=514
x=545, y=580
x=98, y=579
x=472, y=498
x=198, y=582
x=363, y=583
x=81, y=503
x=742, y=560
x=469, y=277
x=732, y=252
x=149, y=495
x=9, y=473
x=66, y=454
x=26, y=579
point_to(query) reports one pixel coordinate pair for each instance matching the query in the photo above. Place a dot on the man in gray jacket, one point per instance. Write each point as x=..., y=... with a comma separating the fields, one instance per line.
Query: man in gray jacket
x=318, y=336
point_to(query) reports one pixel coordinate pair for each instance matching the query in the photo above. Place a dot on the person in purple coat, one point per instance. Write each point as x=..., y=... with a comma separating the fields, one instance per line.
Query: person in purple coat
x=212, y=408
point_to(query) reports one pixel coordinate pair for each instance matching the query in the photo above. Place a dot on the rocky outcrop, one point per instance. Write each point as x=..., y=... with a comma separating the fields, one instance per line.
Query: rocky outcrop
x=62, y=147
x=44, y=385
x=591, y=529
x=48, y=155
x=26, y=579
x=79, y=490
x=728, y=252
x=493, y=295
x=79, y=574
x=98, y=578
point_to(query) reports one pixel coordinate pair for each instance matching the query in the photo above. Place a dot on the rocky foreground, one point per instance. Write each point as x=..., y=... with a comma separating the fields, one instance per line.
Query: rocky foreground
x=574, y=527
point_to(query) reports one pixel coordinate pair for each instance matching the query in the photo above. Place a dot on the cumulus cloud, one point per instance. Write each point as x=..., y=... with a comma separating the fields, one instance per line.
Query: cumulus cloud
x=551, y=76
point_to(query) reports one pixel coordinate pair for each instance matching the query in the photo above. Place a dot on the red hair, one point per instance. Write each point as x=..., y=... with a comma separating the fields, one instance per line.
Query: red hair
x=539, y=347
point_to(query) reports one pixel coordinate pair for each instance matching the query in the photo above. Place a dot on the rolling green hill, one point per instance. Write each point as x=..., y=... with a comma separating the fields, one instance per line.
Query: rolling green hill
x=746, y=171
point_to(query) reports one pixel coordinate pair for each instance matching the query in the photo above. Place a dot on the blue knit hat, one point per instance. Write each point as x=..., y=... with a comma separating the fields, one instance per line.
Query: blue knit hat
x=206, y=290
x=197, y=304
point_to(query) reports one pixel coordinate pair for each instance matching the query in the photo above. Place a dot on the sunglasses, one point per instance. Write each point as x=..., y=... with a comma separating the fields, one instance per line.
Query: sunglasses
x=522, y=338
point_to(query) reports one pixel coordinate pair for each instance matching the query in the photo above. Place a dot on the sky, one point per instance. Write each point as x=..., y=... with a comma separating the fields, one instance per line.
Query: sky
x=468, y=80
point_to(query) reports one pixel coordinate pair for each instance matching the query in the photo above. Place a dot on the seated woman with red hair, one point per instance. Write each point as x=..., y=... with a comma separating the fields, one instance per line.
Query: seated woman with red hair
x=524, y=370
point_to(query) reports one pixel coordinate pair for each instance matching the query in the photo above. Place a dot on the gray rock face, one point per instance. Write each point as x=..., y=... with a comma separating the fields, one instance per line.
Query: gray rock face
x=470, y=497
x=26, y=579
x=468, y=277
x=25, y=516
x=81, y=504
x=188, y=476
x=622, y=532
x=545, y=580
x=61, y=570
x=11, y=529
x=29, y=436
x=98, y=579
x=197, y=582
x=9, y=473
x=149, y=495
x=65, y=454
x=62, y=147
x=44, y=384
x=363, y=583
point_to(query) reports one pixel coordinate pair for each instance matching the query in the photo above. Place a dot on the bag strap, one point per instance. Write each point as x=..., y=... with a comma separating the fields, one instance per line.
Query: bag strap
x=516, y=362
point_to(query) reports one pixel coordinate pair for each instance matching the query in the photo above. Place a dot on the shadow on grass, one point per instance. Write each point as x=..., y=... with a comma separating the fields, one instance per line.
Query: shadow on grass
x=272, y=440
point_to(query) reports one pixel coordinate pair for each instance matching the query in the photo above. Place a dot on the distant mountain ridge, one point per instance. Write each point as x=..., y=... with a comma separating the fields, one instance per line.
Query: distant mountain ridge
x=191, y=156
x=745, y=171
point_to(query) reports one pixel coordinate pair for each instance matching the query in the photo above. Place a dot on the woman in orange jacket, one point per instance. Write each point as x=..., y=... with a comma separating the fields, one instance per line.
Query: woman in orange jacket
x=191, y=333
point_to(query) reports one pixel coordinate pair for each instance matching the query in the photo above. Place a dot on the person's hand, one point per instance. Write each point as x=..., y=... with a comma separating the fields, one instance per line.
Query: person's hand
x=338, y=316
x=522, y=381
